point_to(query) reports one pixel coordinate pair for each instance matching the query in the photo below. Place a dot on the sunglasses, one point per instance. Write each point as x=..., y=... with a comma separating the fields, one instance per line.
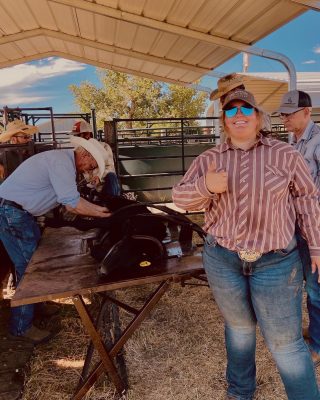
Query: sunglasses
x=245, y=110
x=287, y=116
x=24, y=136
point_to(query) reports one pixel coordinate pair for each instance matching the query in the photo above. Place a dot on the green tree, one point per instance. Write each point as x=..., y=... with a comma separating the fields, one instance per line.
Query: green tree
x=125, y=96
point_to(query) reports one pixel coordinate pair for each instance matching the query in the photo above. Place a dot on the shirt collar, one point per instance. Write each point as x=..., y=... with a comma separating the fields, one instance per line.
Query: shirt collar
x=306, y=134
x=227, y=145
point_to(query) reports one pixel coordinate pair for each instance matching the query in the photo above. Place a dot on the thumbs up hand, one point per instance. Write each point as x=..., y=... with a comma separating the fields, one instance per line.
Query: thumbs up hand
x=216, y=182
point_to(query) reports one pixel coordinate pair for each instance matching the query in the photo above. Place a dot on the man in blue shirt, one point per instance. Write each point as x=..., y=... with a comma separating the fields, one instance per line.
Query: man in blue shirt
x=38, y=185
x=295, y=111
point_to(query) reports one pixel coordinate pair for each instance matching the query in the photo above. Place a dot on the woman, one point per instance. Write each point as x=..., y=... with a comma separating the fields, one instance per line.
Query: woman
x=253, y=189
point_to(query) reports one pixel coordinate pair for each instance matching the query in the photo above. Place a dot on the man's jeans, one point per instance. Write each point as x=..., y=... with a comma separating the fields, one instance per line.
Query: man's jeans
x=313, y=295
x=20, y=235
x=267, y=291
x=111, y=185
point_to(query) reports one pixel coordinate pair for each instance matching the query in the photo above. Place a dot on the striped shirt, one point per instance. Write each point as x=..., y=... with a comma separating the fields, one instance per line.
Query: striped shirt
x=258, y=211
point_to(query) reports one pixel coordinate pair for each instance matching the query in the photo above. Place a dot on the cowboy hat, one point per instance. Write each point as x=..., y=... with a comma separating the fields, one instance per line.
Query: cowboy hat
x=94, y=148
x=15, y=127
x=225, y=84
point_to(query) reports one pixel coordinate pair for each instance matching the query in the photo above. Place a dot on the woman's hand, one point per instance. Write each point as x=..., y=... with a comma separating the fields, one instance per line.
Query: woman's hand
x=216, y=182
x=315, y=265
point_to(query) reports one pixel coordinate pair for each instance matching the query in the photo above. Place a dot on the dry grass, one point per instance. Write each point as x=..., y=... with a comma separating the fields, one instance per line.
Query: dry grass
x=177, y=354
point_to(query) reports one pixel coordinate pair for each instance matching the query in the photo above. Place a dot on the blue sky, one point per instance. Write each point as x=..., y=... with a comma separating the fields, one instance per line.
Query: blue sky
x=45, y=83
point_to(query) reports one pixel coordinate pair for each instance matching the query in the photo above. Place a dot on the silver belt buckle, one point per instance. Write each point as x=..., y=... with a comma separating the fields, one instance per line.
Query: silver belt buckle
x=249, y=255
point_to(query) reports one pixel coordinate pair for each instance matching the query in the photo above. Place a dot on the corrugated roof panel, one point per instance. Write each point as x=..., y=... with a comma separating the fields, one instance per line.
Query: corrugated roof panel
x=191, y=76
x=199, y=52
x=65, y=18
x=260, y=27
x=86, y=24
x=125, y=34
x=105, y=29
x=75, y=49
x=42, y=13
x=158, y=12
x=220, y=55
x=8, y=25
x=149, y=67
x=41, y=44
x=181, y=48
x=3, y=58
x=120, y=60
x=233, y=21
x=20, y=12
x=210, y=14
x=57, y=44
x=163, y=70
x=163, y=43
x=178, y=74
x=108, y=3
x=105, y=57
x=11, y=51
x=135, y=6
x=90, y=53
x=26, y=47
x=144, y=39
x=183, y=11
x=135, y=64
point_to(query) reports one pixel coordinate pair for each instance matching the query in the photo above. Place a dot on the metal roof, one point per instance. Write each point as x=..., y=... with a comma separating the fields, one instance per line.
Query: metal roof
x=176, y=41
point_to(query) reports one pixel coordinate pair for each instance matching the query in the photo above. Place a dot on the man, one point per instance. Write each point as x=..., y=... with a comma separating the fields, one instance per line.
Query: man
x=18, y=133
x=38, y=185
x=109, y=183
x=295, y=112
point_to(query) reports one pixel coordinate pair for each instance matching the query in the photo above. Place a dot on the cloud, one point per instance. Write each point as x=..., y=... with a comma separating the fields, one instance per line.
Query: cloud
x=26, y=75
x=316, y=49
x=309, y=62
x=19, y=99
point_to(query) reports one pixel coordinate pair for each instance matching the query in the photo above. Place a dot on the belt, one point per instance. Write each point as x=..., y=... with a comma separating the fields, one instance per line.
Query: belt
x=4, y=202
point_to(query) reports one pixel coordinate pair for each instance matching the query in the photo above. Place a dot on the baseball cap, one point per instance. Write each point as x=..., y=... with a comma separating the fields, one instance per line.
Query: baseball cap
x=81, y=127
x=293, y=101
x=243, y=95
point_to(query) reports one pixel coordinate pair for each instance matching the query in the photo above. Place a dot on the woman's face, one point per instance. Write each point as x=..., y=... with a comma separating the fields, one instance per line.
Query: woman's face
x=241, y=127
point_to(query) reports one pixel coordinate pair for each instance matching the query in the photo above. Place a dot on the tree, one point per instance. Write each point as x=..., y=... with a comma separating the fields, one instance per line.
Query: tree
x=126, y=96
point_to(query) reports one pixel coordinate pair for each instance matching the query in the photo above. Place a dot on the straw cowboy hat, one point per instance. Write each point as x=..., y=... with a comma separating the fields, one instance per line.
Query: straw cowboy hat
x=15, y=127
x=225, y=84
x=94, y=148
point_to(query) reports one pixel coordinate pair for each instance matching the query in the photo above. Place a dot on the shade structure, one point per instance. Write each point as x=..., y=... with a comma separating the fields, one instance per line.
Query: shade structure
x=176, y=41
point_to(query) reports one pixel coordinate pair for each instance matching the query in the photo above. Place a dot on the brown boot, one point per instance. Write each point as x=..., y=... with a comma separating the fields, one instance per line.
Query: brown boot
x=37, y=336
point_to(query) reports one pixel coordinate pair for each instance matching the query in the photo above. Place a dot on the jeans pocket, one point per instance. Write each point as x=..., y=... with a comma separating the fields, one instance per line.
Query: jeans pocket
x=210, y=241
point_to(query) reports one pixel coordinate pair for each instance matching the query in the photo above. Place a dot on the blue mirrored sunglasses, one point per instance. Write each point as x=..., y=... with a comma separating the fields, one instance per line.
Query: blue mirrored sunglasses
x=245, y=110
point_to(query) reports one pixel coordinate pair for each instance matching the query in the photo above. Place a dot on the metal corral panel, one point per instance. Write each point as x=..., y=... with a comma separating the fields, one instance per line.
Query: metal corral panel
x=173, y=40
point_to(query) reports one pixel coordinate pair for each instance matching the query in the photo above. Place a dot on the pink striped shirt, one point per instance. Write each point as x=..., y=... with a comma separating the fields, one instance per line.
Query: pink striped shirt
x=278, y=189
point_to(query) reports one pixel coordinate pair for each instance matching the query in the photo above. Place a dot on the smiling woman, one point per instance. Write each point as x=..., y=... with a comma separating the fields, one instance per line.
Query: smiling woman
x=252, y=188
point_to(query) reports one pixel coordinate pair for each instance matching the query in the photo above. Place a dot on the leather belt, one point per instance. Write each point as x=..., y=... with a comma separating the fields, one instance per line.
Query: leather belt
x=4, y=202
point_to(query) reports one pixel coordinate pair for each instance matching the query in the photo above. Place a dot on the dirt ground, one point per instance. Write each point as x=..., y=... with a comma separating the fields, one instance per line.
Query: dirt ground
x=177, y=354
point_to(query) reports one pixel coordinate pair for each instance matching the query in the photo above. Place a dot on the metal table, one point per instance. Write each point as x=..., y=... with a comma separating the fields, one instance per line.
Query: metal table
x=62, y=267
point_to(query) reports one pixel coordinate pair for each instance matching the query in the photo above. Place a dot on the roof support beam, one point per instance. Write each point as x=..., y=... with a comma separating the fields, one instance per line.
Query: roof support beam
x=100, y=46
x=165, y=27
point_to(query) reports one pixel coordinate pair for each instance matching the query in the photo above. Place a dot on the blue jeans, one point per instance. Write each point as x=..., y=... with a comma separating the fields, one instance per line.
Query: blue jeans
x=111, y=185
x=313, y=295
x=20, y=235
x=267, y=291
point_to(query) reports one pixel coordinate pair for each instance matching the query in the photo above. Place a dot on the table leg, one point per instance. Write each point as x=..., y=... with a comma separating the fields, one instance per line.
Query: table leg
x=106, y=361
x=128, y=332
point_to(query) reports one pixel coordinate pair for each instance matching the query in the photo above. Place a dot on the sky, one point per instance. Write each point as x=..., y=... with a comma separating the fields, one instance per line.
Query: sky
x=45, y=83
